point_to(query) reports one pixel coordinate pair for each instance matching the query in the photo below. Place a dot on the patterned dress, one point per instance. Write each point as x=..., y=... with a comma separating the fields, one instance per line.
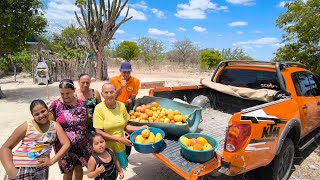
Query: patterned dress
x=73, y=119
x=91, y=104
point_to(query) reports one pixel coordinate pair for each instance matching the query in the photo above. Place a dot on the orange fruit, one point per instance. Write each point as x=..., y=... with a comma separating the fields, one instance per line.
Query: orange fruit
x=144, y=116
x=145, y=133
x=154, y=104
x=138, y=108
x=177, y=118
x=176, y=112
x=137, y=114
x=170, y=116
x=150, y=113
x=133, y=117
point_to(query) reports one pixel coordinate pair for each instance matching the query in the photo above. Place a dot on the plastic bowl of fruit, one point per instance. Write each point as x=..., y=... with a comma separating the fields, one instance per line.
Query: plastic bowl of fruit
x=197, y=147
x=147, y=140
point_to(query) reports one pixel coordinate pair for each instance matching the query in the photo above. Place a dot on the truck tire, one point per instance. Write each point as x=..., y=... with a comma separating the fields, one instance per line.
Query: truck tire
x=201, y=101
x=280, y=167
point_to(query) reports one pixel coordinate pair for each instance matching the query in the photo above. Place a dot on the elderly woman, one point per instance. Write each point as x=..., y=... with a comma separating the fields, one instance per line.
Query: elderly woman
x=110, y=119
x=70, y=112
x=91, y=97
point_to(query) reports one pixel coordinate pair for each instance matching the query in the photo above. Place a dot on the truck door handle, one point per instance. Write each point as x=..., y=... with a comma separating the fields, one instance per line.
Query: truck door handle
x=304, y=107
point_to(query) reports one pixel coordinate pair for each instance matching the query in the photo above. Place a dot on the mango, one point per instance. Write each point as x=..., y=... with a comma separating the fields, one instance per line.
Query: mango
x=202, y=140
x=158, y=137
x=207, y=146
x=185, y=141
x=139, y=139
x=145, y=133
x=151, y=137
x=190, y=147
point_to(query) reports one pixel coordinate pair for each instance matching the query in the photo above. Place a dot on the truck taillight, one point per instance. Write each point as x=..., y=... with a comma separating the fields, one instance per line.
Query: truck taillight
x=236, y=137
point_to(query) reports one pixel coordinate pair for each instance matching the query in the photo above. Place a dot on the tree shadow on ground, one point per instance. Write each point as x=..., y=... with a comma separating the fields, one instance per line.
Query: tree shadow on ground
x=27, y=94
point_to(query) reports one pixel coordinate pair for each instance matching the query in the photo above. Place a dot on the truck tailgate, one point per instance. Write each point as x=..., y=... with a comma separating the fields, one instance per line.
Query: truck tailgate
x=214, y=124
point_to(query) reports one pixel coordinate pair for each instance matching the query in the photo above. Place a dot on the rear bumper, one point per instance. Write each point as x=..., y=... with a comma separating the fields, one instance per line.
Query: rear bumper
x=201, y=170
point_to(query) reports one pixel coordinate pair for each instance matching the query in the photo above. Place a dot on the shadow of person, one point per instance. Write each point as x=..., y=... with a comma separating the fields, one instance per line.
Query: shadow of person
x=145, y=166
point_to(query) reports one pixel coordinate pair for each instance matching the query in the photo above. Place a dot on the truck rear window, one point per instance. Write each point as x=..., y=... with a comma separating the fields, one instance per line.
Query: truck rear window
x=254, y=79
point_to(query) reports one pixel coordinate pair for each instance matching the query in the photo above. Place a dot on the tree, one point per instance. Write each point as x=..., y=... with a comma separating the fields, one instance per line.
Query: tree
x=150, y=49
x=301, y=22
x=127, y=50
x=23, y=59
x=70, y=44
x=101, y=24
x=20, y=20
x=209, y=58
x=183, y=51
x=234, y=54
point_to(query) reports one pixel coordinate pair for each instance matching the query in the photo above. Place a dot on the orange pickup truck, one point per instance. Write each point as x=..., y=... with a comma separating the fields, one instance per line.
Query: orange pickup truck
x=261, y=113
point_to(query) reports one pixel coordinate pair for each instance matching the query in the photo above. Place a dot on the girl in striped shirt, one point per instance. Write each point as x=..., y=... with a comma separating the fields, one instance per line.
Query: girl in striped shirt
x=31, y=160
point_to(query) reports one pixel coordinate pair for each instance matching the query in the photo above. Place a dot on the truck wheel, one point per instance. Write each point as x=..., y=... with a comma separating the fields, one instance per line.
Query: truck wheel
x=280, y=167
x=201, y=101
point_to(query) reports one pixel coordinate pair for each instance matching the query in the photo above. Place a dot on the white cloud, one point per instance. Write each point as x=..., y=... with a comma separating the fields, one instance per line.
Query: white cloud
x=242, y=2
x=239, y=32
x=141, y=5
x=154, y=31
x=136, y=15
x=199, y=29
x=257, y=31
x=119, y=31
x=158, y=13
x=238, y=23
x=283, y=3
x=258, y=42
x=220, y=35
x=277, y=45
x=196, y=9
x=173, y=40
x=60, y=14
x=181, y=29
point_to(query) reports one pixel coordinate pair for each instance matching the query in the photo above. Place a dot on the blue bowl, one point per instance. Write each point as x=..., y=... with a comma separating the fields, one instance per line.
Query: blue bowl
x=147, y=148
x=199, y=156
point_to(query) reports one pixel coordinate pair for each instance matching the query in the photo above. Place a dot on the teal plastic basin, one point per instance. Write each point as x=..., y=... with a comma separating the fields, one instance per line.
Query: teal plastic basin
x=147, y=148
x=197, y=155
x=194, y=114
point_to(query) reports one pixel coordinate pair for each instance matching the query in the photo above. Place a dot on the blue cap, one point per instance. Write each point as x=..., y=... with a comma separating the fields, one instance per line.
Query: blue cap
x=125, y=66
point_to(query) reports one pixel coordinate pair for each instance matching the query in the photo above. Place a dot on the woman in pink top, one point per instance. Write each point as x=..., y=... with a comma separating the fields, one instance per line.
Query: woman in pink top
x=32, y=159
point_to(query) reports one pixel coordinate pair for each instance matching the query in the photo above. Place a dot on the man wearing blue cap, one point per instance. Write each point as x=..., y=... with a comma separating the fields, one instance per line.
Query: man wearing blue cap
x=127, y=88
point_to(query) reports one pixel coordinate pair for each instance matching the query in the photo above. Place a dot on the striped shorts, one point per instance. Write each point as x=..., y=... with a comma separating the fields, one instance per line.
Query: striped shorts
x=31, y=173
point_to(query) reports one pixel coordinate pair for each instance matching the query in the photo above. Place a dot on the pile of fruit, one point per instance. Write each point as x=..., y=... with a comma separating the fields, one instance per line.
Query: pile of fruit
x=199, y=143
x=147, y=137
x=154, y=113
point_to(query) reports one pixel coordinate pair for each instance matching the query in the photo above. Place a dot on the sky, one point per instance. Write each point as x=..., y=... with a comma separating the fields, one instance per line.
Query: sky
x=246, y=24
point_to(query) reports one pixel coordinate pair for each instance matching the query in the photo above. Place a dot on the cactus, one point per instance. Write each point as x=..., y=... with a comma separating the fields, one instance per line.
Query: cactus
x=100, y=25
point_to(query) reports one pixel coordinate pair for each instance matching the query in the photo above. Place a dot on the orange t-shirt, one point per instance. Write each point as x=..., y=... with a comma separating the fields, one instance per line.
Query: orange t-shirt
x=132, y=87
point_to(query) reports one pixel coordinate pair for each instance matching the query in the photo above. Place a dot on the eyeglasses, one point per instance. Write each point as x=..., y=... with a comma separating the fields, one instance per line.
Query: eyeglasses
x=126, y=72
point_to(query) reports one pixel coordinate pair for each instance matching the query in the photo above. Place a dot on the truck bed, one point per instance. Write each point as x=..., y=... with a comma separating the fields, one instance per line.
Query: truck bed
x=214, y=123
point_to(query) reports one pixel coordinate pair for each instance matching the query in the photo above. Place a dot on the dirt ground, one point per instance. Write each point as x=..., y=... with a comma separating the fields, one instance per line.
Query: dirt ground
x=14, y=109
